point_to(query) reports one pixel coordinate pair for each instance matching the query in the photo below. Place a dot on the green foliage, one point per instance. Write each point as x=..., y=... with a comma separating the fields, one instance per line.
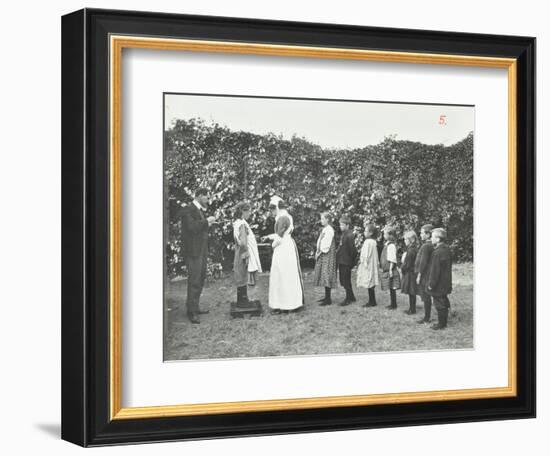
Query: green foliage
x=403, y=183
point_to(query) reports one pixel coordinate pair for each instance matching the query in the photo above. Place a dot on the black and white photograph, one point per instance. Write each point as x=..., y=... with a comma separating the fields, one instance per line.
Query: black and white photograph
x=274, y=228
x=298, y=227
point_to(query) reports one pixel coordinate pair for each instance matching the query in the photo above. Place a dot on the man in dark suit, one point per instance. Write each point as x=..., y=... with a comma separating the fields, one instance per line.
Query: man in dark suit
x=440, y=279
x=346, y=256
x=195, y=250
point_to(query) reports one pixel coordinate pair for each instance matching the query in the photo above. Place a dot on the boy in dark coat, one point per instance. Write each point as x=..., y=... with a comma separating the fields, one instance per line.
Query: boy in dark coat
x=408, y=277
x=346, y=256
x=440, y=279
x=422, y=270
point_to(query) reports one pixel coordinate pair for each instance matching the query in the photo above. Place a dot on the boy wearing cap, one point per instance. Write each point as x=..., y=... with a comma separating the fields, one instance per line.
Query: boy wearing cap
x=422, y=270
x=440, y=278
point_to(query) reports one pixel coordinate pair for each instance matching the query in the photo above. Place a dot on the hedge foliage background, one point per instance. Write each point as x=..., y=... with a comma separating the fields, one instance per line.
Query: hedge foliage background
x=403, y=183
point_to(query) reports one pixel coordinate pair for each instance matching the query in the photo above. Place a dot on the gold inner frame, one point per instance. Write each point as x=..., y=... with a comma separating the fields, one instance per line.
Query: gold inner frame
x=117, y=44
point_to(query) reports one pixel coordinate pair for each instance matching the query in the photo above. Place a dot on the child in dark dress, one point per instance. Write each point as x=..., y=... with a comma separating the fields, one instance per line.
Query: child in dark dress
x=346, y=256
x=408, y=279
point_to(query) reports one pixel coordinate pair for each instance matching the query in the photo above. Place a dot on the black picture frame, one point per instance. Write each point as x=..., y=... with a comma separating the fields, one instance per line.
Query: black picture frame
x=85, y=228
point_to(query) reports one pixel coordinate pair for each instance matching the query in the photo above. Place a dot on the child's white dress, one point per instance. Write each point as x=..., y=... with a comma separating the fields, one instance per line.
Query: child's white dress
x=254, y=264
x=367, y=271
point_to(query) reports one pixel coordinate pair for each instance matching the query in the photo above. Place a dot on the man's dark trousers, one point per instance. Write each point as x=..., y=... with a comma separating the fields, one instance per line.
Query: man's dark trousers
x=195, y=251
x=196, y=270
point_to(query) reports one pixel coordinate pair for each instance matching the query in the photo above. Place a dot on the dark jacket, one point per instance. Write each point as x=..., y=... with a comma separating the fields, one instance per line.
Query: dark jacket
x=347, y=252
x=410, y=259
x=408, y=279
x=194, y=233
x=440, y=279
x=423, y=258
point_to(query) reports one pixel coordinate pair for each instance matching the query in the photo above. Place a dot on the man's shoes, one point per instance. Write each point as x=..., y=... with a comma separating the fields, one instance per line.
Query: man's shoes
x=345, y=302
x=275, y=311
x=321, y=300
x=410, y=312
x=437, y=327
x=390, y=307
x=203, y=312
x=369, y=304
x=422, y=321
x=325, y=302
x=194, y=319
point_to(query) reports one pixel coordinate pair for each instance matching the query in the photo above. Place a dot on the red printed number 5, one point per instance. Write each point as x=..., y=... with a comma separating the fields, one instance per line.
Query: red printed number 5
x=442, y=119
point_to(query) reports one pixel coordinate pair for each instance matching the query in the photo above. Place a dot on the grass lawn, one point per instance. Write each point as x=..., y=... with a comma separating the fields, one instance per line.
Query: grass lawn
x=316, y=330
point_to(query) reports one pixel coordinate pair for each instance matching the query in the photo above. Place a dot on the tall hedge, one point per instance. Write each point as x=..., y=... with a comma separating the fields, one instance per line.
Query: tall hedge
x=403, y=183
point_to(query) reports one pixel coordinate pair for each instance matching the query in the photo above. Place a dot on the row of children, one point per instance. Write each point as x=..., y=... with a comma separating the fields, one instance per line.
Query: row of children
x=425, y=269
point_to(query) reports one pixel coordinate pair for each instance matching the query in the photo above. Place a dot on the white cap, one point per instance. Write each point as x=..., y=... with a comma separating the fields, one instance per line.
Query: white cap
x=274, y=201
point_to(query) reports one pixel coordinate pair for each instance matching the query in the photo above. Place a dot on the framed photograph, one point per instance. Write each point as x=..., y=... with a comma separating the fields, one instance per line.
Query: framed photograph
x=277, y=227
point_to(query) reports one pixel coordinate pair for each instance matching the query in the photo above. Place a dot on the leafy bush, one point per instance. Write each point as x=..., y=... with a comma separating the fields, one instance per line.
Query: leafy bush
x=403, y=183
